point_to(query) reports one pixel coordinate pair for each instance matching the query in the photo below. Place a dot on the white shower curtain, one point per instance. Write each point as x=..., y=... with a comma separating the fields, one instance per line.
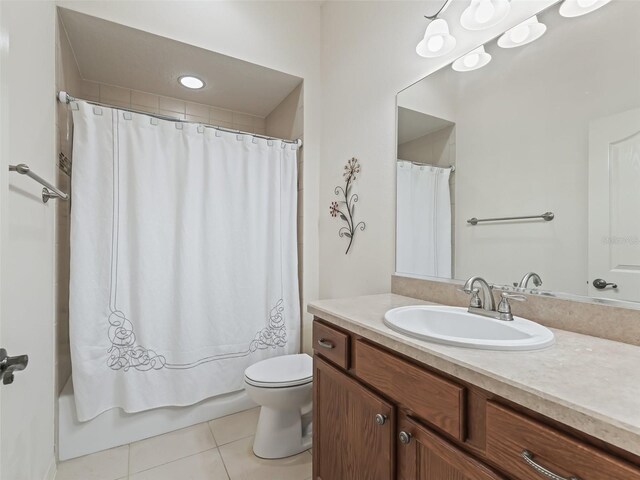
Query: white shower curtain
x=183, y=259
x=423, y=237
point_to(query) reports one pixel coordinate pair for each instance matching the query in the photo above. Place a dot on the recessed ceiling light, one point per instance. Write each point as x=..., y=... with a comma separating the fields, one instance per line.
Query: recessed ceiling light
x=437, y=40
x=481, y=14
x=576, y=8
x=191, y=82
x=473, y=60
x=526, y=32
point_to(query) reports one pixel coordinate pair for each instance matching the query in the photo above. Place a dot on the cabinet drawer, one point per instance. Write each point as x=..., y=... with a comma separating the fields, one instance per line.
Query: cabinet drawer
x=430, y=397
x=331, y=344
x=510, y=435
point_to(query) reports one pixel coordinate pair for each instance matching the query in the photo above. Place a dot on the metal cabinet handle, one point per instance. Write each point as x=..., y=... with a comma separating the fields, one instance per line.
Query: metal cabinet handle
x=381, y=419
x=601, y=284
x=405, y=438
x=528, y=458
x=326, y=344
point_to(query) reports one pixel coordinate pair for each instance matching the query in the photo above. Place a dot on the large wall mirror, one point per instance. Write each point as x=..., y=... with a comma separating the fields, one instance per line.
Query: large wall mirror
x=530, y=163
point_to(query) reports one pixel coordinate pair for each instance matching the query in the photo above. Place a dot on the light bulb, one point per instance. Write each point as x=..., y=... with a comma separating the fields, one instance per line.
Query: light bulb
x=437, y=40
x=485, y=11
x=435, y=43
x=521, y=34
x=472, y=61
x=576, y=8
x=482, y=14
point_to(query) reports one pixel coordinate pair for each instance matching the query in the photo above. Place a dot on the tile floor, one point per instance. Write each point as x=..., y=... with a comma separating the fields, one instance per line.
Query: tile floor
x=215, y=450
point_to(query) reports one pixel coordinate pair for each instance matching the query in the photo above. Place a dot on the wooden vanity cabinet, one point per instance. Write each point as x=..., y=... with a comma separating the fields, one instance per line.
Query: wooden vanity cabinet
x=380, y=416
x=423, y=455
x=353, y=429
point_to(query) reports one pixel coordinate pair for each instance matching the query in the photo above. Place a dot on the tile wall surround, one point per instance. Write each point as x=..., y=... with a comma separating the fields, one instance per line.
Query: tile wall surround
x=286, y=121
x=604, y=321
x=67, y=78
x=171, y=107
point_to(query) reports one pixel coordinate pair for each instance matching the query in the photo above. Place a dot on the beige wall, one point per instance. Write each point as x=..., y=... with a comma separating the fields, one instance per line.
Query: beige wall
x=27, y=237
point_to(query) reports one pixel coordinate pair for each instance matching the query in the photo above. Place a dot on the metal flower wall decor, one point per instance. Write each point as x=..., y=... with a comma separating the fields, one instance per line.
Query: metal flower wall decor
x=345, y=208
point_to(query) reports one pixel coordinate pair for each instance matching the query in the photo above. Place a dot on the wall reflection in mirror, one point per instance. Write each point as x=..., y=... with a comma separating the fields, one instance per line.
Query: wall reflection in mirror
x=549, y=131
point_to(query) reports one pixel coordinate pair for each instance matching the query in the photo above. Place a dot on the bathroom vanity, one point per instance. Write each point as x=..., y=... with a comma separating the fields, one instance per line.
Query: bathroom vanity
x=387, y=406
x=525, y=171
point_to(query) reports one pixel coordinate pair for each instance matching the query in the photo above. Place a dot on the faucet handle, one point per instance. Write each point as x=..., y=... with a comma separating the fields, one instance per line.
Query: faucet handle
x=512, y=296
x=475, y=301
x=504, y=307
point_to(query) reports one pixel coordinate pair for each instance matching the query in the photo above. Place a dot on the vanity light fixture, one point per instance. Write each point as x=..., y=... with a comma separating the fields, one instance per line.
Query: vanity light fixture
x=189, y=81
x=526, y=32
x=473, y=60
x=437, y=40
x=482, y=14
x=576, y=8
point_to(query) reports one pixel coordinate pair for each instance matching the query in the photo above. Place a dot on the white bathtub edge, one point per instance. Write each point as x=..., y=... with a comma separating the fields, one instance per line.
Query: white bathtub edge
x=114, y=428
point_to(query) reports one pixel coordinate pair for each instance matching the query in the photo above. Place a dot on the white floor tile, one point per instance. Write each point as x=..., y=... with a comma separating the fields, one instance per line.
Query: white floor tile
x=242, y=464
x=168, y=447
x=202, y=466
x=106, y=465
x=234, y=427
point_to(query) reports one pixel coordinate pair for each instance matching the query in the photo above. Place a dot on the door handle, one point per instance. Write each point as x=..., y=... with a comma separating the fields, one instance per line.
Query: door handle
x=9, y=365
x=601, y=284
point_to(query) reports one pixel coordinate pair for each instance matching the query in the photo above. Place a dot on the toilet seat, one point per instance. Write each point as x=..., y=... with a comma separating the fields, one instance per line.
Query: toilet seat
x=281, y=372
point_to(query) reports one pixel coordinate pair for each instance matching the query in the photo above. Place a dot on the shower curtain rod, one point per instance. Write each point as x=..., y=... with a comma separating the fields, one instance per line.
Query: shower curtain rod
x=452, y=167
x=64, y=97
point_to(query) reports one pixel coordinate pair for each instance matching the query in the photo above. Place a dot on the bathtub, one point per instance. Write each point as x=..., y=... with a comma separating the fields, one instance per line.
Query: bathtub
x=115, y=427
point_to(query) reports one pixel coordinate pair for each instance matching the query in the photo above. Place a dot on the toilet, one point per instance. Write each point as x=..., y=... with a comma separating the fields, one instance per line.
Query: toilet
x=282, y=387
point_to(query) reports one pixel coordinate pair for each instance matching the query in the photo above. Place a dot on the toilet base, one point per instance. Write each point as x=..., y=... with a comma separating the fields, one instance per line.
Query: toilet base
x=281, y=433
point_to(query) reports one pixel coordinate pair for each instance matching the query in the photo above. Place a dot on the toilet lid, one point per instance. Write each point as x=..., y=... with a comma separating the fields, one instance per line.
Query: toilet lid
x=284, y=371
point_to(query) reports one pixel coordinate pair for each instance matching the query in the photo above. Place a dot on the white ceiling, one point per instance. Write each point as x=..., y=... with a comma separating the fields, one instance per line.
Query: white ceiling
x=412, y=124
x=114, y=54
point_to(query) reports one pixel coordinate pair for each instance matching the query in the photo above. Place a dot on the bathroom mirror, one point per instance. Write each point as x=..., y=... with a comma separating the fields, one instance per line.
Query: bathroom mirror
x=550, y=131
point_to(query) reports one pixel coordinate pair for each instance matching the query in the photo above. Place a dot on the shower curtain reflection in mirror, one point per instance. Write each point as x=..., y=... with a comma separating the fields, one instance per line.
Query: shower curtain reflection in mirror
x=423, y=243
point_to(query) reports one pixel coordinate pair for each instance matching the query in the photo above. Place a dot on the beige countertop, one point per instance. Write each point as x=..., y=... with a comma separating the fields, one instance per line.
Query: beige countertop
x=588, y=383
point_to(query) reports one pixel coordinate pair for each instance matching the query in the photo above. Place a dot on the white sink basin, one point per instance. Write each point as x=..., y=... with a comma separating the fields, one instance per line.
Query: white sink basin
x=456, y=326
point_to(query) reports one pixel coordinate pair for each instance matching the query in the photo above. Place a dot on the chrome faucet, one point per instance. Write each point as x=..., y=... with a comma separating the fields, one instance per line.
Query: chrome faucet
x=487, y=306
x=487, y=296
x=537, y=281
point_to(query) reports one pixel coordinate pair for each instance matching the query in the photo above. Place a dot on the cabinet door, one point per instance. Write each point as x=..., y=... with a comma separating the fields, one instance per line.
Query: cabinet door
x=353, y=429
x=423, y=455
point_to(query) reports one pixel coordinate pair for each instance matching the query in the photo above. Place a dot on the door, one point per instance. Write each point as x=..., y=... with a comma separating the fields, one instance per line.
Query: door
x=614, y=199
x=353, y=429
x=423, y=455
x=27, y=135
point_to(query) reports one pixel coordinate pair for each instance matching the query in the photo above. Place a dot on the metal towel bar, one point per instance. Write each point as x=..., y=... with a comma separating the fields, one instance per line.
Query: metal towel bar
x=49, y=191
x=547, y=216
